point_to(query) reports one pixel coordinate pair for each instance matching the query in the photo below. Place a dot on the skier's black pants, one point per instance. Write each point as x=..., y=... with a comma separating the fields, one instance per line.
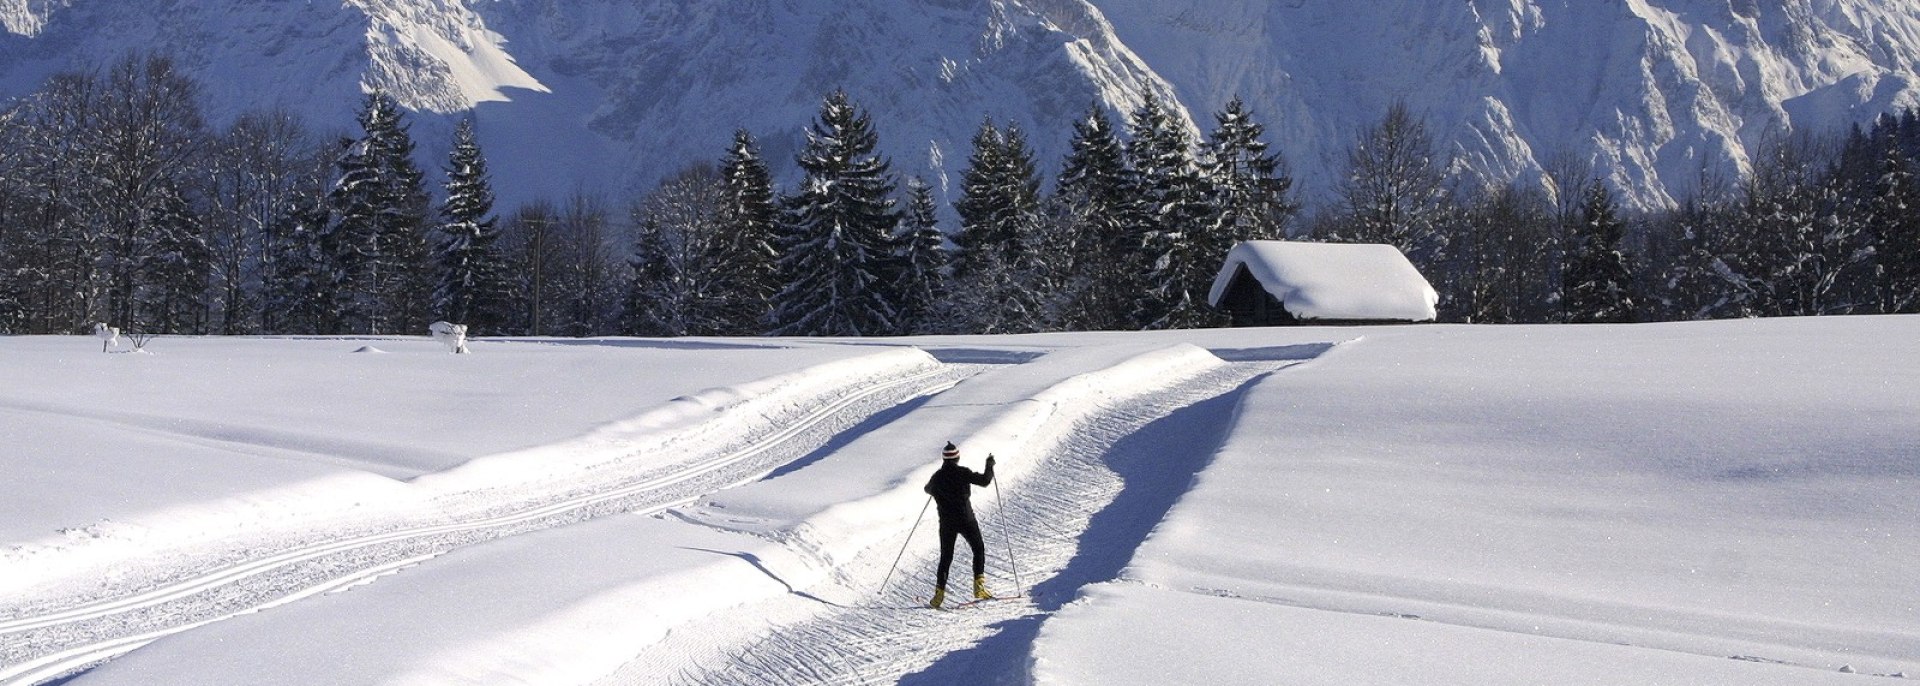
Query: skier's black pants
x=970, y=528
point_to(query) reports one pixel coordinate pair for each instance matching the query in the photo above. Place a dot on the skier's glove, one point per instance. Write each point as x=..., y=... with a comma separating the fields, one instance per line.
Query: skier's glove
x=989, y=459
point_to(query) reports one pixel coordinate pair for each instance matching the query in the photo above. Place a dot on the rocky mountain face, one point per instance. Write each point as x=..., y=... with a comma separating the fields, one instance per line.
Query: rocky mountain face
x=611, y=95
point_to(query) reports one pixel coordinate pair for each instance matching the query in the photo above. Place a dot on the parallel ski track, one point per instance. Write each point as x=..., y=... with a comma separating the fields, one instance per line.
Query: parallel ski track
x=868, y=640
x=46, y=646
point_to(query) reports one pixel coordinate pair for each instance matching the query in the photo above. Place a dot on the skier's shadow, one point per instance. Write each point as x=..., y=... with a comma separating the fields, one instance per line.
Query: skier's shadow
x=997, y=659
x=1152, y=483
x=840, y=440
x=754, y=560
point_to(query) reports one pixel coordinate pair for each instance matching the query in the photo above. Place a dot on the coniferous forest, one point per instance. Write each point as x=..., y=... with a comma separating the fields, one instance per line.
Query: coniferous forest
x=119, y=203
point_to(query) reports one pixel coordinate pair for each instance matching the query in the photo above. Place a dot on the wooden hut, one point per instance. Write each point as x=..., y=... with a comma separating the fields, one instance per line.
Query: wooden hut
x=1276, y=283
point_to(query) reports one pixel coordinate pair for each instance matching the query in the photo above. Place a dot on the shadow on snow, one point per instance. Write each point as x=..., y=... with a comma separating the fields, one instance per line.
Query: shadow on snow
x=840, y=440
x=1151, y=485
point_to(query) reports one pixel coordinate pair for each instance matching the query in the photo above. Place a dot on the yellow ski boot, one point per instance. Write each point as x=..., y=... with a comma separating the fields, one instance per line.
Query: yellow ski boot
x=939, y=598
x=980, y=588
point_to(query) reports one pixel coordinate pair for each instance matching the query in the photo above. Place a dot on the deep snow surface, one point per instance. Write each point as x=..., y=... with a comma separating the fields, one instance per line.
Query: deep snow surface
x=1435, y=504
x=1722, y=489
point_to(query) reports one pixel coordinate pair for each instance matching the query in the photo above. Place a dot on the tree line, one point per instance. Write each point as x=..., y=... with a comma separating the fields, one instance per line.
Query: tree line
x=1820, y=225
x=119, y=203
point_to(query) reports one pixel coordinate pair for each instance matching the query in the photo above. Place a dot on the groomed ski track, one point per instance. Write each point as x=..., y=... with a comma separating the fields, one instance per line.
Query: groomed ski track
x=43, y=644
x=1093, y=498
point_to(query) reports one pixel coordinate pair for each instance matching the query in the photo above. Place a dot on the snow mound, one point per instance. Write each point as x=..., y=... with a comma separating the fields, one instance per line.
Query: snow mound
x=715, y=415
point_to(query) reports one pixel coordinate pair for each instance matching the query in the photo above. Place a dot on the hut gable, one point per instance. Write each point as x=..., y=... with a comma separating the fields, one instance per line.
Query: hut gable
x=1264, y=283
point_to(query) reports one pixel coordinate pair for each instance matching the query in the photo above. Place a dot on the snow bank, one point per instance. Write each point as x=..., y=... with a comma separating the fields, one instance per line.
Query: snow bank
x=1336, y=281
x=869, y=493
x=120, y=459
x=699, y=419
x=560, y=606
x=1716, y=489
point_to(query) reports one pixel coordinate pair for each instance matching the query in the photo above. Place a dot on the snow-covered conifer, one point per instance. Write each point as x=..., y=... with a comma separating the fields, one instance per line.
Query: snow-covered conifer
x=472, y=287
x=744, y=256
x=999, y=210
x=1097, y=229
x=836, y=235
x=1175, y=208
x=1894, y=215
x=999, y=200
x=1250, y=186
x=1596, y=277
x=378, y=242
x=924, y=260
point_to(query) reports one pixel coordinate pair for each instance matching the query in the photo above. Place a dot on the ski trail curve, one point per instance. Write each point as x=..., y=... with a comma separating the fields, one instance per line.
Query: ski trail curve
x=1076, y=521
x=40, y=646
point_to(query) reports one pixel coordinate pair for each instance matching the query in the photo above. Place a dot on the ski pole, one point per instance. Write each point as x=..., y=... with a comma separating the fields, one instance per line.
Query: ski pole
x=903, y=544
x=1001, y=505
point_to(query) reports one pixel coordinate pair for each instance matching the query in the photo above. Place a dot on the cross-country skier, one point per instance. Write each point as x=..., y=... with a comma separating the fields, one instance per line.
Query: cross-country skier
x=952, y=489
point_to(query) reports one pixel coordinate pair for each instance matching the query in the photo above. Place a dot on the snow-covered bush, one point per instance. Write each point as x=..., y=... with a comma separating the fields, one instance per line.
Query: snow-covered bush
x=109, y=336
x=454, y=336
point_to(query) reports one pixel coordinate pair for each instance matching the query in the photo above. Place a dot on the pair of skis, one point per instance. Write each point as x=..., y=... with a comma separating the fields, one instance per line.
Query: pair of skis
x=956, y=607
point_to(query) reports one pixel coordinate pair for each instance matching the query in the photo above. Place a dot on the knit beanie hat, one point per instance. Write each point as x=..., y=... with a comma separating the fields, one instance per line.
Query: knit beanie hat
x=951, y=453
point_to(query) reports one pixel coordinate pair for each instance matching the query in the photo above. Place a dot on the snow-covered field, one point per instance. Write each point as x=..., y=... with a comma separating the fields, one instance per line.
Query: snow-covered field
x=1720, y=502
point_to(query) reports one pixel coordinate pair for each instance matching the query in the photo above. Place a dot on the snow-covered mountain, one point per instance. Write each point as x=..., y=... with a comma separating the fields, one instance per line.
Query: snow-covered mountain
x=613, y=94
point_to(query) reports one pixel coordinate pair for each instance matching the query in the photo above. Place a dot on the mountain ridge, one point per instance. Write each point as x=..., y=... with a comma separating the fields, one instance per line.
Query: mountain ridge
x=605, y=96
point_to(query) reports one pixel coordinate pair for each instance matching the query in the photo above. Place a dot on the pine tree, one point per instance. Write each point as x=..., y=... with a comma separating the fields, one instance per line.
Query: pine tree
x=1796, y=247
x=746, y=259
x=1175, y=205
x=472, y=284
x=1248, y=197
x=378, y=242
x=925, y=261
x=347, y=246
x=999, y=212
x=836, y=236
x=979, y=206
x=405, y=276
x=1249, y=187
x=652, y=307
x=999, y=197
x=1894, y=215
x=1099, y=246
x=1691, y=286
x=1596, y=277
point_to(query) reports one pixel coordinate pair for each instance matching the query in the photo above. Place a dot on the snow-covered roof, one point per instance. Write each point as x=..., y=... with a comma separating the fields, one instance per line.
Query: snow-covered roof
x=1346, y=281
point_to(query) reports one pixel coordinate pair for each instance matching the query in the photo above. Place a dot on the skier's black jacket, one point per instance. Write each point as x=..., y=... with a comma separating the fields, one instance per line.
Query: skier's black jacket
x=952, y=489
